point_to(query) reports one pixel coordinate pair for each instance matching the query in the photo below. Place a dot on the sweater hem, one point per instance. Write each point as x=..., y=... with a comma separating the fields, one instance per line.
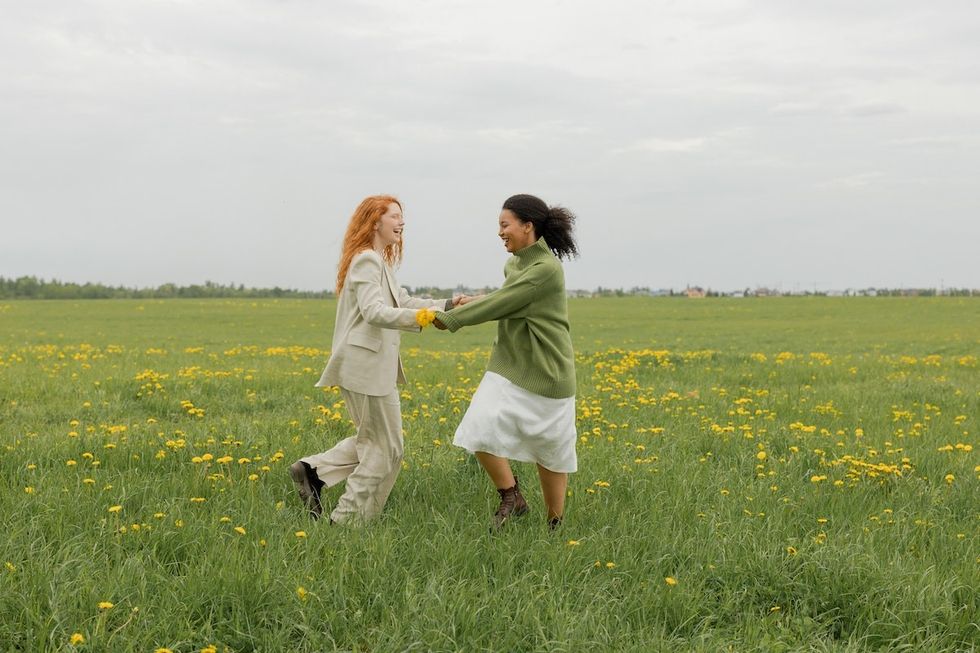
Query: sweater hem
x=562, y=389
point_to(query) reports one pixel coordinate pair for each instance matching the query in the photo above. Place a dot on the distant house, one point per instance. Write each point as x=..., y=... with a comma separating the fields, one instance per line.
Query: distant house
x=694, y=291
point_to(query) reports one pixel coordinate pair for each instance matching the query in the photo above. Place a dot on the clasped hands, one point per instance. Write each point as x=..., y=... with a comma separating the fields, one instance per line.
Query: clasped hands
x=458, y=300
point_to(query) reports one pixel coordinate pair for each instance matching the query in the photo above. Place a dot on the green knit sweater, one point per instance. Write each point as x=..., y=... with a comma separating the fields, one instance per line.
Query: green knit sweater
x=533, y=349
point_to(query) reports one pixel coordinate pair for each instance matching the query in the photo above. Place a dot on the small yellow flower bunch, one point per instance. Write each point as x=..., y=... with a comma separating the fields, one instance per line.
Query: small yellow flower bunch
x=424, y=317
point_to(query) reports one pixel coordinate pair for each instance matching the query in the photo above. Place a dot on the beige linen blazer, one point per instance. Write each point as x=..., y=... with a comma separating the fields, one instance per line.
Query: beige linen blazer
x=371, y=313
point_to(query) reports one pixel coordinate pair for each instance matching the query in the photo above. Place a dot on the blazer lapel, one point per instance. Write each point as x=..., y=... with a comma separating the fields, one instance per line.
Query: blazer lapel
x=390, y=282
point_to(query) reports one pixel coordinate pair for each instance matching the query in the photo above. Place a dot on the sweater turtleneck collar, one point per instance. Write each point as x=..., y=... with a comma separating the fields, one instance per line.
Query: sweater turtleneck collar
x=533, y=251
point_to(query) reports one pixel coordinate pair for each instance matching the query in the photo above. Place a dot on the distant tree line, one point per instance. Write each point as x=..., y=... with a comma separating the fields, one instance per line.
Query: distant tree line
x=34, y=288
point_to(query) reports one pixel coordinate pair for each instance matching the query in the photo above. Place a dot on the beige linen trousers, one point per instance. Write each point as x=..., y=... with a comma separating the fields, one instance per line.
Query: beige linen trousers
x=369, y=460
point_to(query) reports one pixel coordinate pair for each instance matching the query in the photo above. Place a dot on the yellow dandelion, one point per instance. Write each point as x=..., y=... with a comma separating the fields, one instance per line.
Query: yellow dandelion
x=949, y=478
x=240, y=530
x=791, y=550
x=610, y=565
x=163, y=649
x=76, y=639
x=573, y=542
x=106, y=605
x=29, y=489
x=775, y=608
x=670, y=580
x=424, y=317
x=210, y=649
x=761, y=455
x=301, y=593
x=115, y=508
x=300, y=534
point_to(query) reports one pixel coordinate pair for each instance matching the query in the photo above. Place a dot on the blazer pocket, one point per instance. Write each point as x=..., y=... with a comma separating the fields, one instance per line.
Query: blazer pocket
x=364, y=340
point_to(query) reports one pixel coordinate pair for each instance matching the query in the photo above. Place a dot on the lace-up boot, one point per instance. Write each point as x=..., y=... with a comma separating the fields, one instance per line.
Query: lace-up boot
x=512, y=504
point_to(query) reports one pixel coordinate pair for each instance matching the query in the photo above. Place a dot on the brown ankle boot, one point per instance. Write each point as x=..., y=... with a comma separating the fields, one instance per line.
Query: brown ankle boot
x=512, y=504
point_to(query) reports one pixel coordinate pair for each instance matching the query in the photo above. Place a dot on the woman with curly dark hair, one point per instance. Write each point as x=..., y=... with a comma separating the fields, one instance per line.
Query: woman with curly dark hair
x=524, y=408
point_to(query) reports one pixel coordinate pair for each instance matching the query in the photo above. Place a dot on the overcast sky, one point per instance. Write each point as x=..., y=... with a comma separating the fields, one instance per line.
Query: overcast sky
x=723, y=143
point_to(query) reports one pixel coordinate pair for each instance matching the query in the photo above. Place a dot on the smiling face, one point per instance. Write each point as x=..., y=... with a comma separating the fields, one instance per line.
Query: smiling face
x=516, y=234
x=388, y=230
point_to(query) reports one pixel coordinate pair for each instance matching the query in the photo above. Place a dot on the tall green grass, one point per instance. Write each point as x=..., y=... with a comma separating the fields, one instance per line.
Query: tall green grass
x=804, y=471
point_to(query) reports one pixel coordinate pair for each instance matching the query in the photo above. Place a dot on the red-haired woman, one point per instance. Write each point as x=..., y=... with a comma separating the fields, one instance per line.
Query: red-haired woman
x=372, y=310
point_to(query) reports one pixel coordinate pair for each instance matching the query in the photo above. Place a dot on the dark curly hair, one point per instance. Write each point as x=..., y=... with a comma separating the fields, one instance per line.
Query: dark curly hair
x=555, y=224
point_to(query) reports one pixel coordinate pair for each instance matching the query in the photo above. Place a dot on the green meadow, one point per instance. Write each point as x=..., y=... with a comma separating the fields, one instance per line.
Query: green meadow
x=780, y=474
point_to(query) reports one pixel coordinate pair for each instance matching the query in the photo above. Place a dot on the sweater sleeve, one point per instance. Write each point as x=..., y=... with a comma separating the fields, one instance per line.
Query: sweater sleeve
x=502, y=303
x=365, y=279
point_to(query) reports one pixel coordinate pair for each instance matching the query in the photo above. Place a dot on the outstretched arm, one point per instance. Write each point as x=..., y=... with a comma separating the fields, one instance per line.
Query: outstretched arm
x=508, y=301
x=407, y=301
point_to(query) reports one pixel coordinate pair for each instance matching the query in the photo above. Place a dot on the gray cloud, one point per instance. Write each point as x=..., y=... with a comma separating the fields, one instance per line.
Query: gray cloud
x=183, y=141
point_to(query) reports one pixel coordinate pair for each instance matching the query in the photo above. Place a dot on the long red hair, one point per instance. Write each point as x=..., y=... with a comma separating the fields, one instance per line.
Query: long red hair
x=360, y=235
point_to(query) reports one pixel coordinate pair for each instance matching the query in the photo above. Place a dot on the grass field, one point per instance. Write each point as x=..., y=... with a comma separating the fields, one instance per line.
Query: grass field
x=754, y=475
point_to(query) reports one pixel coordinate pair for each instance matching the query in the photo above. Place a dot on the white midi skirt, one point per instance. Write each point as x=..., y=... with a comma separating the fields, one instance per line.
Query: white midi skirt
x=508, y=421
